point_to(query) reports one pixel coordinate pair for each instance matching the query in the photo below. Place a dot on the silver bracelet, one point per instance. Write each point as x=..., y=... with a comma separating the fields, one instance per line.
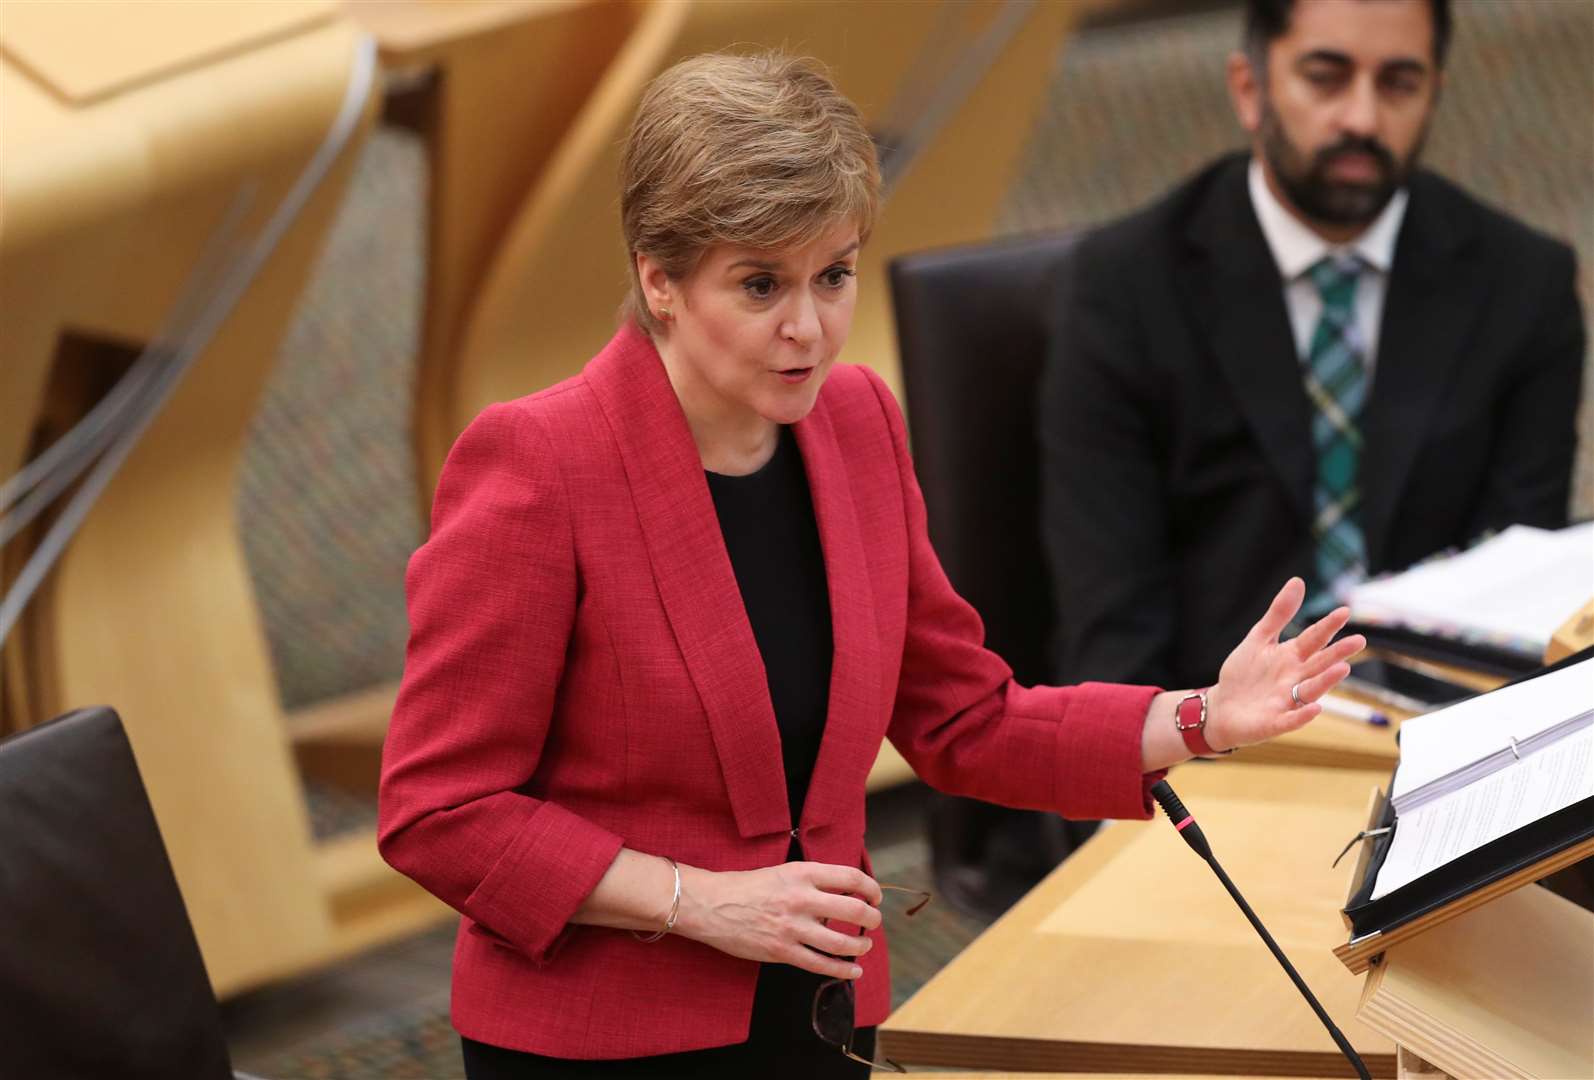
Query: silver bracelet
x=675, y=908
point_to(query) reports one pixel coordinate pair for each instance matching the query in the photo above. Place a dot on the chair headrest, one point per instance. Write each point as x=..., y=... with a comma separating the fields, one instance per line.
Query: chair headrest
x=97, y=939
x=973, y=325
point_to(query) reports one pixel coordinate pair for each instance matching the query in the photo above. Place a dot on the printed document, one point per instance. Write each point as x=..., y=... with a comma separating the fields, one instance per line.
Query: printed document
x=1514, y=589
x=1521, y=793
x=1443, y=751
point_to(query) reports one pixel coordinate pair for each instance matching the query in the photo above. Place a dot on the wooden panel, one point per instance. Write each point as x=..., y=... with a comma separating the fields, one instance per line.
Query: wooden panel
x=1508, y=990
x=1132, y=956
x=1330, y=742
x=1575, y=634
x=370, y=902
x=1359, y=956
x=358, y=717
x=511, y=77
x=890, y=769
x=151, y=607
x=88, y=51
x=425, y=32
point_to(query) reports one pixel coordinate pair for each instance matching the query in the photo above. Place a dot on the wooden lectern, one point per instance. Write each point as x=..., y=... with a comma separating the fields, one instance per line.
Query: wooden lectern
x=1506, y=990
x=1575, y=634
x=1131, y=957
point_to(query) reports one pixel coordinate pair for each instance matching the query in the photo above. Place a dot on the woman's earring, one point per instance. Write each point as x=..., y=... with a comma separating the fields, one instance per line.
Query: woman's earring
x=664, y=313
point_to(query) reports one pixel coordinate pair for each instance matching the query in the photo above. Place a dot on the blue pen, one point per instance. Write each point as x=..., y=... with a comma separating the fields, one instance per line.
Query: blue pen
x=1353, y=710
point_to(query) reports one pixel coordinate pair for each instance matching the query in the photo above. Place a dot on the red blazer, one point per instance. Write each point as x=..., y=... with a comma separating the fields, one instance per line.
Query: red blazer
x=581, y=675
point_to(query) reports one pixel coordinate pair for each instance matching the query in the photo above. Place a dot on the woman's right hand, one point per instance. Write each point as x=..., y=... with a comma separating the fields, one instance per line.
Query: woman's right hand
x=778, y=914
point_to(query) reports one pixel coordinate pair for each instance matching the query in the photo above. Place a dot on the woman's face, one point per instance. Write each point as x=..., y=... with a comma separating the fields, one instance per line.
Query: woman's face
x=754, y=333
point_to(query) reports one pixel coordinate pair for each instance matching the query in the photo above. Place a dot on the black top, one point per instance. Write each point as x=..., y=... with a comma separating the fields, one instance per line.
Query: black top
x=767, y=518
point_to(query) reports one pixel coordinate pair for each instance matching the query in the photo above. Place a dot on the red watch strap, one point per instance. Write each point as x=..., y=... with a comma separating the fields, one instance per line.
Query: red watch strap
x=1190, y=717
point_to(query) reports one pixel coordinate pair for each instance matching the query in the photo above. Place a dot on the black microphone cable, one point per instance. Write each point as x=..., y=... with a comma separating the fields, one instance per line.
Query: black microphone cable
x=1185, y=823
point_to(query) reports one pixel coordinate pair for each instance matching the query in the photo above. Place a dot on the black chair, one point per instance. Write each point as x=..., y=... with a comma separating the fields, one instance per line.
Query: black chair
x=972, y=329
x=100, y=974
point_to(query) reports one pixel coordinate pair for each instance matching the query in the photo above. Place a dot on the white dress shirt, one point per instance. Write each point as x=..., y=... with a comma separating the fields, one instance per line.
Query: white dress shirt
x=1296, y=249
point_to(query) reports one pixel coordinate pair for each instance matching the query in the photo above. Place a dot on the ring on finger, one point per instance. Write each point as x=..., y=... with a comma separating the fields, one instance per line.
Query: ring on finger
x=1295, y=695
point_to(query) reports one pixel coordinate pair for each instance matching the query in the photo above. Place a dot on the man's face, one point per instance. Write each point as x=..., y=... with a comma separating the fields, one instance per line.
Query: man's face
x=1341, y=112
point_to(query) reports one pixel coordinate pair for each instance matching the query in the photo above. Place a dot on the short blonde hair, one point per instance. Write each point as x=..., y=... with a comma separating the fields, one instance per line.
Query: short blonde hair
x=756, y=150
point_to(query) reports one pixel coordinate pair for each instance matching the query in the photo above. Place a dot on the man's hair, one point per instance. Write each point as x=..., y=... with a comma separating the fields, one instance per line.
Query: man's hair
x=755, y=150
x=1266, y=20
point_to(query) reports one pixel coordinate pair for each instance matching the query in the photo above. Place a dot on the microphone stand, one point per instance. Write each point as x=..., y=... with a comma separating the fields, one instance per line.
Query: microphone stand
x=1185, y=823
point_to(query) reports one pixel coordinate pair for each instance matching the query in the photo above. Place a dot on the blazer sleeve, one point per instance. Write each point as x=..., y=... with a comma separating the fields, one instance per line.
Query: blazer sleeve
x=491, y=597
x=968, y=729
x=1529, y=481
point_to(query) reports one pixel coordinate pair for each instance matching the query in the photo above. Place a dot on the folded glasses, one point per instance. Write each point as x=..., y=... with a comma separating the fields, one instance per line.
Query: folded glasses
x=835, y=1001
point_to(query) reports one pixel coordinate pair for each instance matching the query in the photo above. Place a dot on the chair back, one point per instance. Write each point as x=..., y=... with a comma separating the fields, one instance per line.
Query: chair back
x=972, y=326
x=99, y=970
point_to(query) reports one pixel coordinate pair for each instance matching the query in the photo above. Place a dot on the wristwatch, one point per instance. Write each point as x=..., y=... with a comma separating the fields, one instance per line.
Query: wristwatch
x=1190, y=718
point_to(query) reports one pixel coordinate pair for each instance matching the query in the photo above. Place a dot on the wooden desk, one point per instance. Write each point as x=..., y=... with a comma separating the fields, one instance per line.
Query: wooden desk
x=508, y=78
x=1505, y=990
x=1333, y=742
x=1131, y=955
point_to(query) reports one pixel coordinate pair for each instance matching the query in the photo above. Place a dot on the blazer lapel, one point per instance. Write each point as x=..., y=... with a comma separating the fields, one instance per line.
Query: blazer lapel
x=1435, y=293
x=694, y=575
x=851, y=740
x=1235, y=291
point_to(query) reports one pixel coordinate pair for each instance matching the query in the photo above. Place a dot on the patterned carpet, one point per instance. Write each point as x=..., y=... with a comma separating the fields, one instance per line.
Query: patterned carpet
x=325, y=497
x=325, y=503
x=413, y=1043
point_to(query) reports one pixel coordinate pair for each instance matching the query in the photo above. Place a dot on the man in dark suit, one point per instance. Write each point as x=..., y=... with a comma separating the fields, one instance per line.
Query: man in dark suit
x=1314, y=359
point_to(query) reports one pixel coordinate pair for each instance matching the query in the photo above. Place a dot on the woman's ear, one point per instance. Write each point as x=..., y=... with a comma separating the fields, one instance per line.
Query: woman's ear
x=658, y=292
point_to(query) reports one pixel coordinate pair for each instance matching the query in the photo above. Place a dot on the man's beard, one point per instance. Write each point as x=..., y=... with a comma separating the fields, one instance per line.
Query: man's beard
x=1305, y=180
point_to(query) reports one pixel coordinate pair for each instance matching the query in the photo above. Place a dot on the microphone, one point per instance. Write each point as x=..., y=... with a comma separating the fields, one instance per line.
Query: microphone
x=1186, y=824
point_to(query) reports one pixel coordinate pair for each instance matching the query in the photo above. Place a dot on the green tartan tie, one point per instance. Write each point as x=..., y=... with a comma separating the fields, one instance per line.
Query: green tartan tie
x=1336, y=382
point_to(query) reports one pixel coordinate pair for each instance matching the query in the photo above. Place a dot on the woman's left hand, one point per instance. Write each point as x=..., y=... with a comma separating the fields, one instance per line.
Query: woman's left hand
x=1267, y=687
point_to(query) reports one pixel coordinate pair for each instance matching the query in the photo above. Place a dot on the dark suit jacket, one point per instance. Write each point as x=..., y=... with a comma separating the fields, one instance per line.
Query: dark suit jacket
x=1178, y=464
x=581, y=674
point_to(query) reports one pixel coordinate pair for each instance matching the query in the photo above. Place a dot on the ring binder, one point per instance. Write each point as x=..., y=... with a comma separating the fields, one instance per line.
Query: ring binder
x=1493, y=869
x=1365, y=834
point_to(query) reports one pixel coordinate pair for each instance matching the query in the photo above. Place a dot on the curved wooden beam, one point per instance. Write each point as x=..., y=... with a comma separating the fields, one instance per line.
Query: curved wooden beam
x=151, y=608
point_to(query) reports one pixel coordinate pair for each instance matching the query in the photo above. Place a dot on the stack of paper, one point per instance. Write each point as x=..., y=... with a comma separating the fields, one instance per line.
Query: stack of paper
x=1488, y=766
x=1448, y=749
x=1513, y=590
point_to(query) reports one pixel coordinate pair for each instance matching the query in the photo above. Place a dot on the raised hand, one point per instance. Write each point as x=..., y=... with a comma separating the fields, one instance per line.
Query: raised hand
x=779, y=914
x=1267, y=687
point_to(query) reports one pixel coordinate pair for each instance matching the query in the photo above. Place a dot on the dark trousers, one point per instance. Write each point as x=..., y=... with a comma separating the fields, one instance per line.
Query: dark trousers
x=780, y=1044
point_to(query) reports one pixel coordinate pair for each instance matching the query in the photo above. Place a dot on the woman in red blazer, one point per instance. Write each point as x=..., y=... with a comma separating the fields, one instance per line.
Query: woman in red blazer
x=594, y=739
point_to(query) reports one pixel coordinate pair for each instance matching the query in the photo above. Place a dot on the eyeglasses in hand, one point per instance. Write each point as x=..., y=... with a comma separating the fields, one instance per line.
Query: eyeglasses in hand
x=835, y=1002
